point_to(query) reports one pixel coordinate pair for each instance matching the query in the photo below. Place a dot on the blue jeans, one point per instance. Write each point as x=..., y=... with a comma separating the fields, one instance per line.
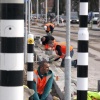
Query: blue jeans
x=49, y=97
x=72, y=62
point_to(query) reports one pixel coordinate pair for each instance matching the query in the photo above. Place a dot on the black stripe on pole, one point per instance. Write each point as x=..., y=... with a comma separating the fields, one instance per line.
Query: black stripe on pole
x=11, y=78
x=81, y=95
x=83, y=1
x=11, y=11
x=30, y=66
x=82, y=46
x=83, y=20
x=12, y=45
x=30, y=84
x=82, y=71
x=30, y=48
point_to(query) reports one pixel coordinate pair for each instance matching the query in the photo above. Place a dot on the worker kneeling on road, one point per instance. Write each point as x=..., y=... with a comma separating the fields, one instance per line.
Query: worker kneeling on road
x=45, y=40
x=42, y=82
x=60, y=49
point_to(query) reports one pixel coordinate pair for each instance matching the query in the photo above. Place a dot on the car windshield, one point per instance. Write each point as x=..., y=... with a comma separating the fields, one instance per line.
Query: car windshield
x=74, y=17
x=96, y=15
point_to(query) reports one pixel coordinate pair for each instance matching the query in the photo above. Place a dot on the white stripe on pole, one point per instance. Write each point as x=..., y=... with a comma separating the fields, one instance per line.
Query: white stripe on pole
x=82, y=56
x=12, y=1
x=84, y=35
x=11, y=93
x=30, y=76
x=17, y=28
x=13, y=61
x=30, y=57
x=85, y=6
x=82, y=83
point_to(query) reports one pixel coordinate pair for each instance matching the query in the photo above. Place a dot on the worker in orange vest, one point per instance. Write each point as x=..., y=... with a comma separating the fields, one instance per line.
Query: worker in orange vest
x=42, y=82
x=60, y=49
x=49, y=27
x=45, y=40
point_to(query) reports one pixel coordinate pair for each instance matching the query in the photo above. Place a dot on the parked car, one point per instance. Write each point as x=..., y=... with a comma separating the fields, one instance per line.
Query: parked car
x=95, y=17
x=74, y=19
x=98, y=22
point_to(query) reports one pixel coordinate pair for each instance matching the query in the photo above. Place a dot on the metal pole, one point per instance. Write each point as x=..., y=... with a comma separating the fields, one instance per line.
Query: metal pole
x=82, y=63
x=37, y=9
x=25, y=50
x=46, y=10
x=99, y=9
x=29, y=16
x=31, y=10
x=68, y=58
x=11, y=52
x=30, y=61
x=58, y=12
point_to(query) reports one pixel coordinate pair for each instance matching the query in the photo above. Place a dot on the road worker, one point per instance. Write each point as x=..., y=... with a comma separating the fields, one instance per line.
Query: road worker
x=60, y=49
x=49, y=27
x=42, y=82
x=45, y=40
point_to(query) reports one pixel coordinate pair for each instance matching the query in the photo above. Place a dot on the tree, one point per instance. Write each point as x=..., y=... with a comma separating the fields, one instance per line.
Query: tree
x=93, y=5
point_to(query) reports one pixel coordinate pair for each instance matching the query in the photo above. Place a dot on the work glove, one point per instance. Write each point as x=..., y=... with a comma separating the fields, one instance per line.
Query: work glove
x=51, y=57
x=51, y=60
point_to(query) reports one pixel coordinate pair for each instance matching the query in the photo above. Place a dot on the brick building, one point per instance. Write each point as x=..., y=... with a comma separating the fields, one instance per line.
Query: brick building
x=50, y=4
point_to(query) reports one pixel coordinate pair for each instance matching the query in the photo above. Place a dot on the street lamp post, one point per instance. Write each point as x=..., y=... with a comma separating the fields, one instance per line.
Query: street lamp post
x=68, y=58
x=37, y=9
x=99, y=9
x=31, y=10
x=58, y=12
x=46, y=9
x=29, y=16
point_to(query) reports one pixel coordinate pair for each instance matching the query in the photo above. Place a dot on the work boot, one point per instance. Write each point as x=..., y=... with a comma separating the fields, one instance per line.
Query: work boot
x=74, y=63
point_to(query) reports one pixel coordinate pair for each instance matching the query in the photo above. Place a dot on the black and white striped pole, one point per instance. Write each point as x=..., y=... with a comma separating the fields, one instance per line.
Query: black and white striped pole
x=82, y=63
x=12, y=52
x=30, y=60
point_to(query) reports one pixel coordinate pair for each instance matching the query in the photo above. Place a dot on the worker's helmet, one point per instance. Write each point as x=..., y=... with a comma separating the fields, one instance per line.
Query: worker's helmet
x=45, y=27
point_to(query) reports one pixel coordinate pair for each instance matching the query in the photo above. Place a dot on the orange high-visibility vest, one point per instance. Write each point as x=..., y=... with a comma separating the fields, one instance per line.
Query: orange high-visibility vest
x=63, y=48
x=48, y=24
x=51, y=24
x=46, y=46
x=40, y=83
x=48, y=27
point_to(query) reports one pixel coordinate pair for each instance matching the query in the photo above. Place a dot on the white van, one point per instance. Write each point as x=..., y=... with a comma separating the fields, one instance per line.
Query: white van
x=93, y=16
